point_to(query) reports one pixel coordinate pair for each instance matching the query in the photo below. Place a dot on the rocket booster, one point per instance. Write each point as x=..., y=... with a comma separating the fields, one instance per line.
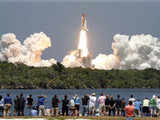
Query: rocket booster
x=84, y=22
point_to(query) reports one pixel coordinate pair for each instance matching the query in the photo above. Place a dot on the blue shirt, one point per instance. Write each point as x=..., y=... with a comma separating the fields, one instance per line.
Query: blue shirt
x=41, y=101
x=77, y=101
x=137, y=105
x=7, y=100
x=1, y=102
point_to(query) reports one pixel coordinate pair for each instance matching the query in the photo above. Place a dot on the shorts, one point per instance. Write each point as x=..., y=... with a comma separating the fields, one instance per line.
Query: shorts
x=92, y=108
x=101, y=107
x=7, y=107
x=145, y=109
x=77, y=107
x=153, y=108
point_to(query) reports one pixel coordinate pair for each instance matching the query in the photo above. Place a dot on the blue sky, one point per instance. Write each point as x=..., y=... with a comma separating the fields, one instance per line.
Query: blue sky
x=60, y=20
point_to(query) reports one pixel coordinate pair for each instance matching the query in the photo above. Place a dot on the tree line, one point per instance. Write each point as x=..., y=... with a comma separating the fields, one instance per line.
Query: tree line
x=20, y=76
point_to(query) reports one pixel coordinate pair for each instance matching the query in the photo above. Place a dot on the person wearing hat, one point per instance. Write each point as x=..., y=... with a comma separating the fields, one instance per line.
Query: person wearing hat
x=153, y=104
x=41, y=101
x=92, y=104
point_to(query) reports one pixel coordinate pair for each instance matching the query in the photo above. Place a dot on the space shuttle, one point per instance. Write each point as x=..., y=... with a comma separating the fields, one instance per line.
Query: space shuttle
x=84, y=22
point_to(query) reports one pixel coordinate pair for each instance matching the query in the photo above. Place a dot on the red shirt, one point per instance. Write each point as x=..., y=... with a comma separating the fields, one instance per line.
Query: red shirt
x=129, y=110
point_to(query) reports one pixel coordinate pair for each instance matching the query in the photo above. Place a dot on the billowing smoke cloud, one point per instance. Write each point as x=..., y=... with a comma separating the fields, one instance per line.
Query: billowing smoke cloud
x=71, y=61
x=135, y=52
x=74, y=59
x=138, y=52
x=29, y=52
x=106, y=62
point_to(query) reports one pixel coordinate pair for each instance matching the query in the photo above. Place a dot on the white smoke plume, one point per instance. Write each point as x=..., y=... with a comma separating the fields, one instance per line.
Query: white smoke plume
x=138, y=52
x=29, y=52
x=73, y=59
x=135, y=52
x=106, y=62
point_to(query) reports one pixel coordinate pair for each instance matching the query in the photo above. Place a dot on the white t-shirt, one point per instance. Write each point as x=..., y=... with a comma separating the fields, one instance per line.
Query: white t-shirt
x=132, y=99
x=158, y=103
x=72, y=103
x=146, y=103
x=101, y=100
x=92, y=101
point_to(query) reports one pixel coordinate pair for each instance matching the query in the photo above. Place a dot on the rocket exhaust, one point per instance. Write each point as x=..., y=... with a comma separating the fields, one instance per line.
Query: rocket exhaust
x=82, y=45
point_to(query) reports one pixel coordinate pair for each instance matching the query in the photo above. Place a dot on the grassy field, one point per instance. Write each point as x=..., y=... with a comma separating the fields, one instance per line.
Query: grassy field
x=87, y=118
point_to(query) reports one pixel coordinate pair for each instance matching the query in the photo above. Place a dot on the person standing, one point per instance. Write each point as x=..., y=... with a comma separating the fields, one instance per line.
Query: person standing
x=1, y=105
x=85, y=100
x=123, y=104
x=65, y=106
x=146, y=107
x=107, y=102
x=77, y=104
x=101, y=102
x=72, y=107
x=112, y=106
x=153, y=105
x=129, y=111
x=55, y=102
x=22, y=104
x=118, y=105
x=92, y=104
x=41, y=106
x=16, y=106
x=29, y=104
x=138, y=107
x=158, y=106
x=7, y=105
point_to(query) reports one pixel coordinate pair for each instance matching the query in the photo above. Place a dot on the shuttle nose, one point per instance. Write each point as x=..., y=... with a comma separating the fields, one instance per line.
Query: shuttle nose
x=83, y=14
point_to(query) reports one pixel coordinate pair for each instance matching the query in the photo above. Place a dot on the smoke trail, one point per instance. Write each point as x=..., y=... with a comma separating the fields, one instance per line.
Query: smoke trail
x=138, y=52
x=29, y=52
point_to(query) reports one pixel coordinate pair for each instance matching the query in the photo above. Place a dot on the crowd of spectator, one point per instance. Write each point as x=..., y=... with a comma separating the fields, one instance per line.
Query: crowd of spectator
x=107, y=106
